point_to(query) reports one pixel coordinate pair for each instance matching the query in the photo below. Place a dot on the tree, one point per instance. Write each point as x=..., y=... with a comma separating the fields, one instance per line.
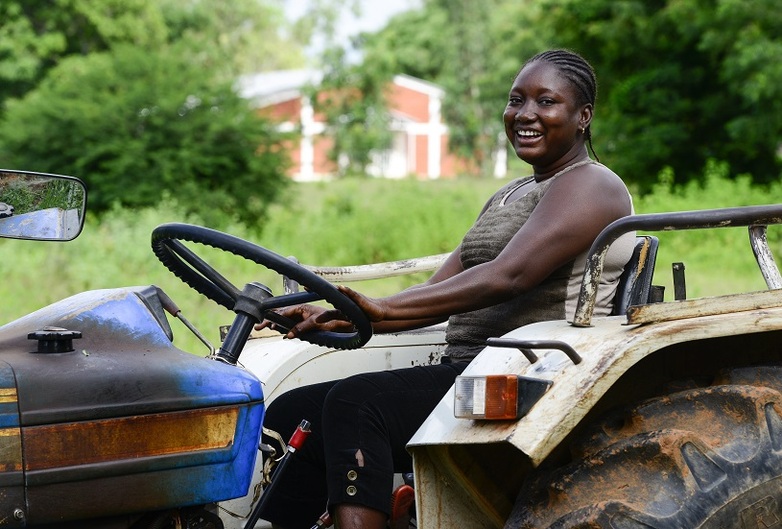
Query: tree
x=352, y=100
x=227, y=39
x=349, y=96
x=682, y=82
x=36, y=34
x=319, y=26
x=135, y=134
x=473, y=50
x=467, y=72
x=137, y=98
x=233, y=38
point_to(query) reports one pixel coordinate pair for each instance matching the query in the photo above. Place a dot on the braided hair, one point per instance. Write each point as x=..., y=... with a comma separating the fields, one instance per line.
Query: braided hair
x=581, y=75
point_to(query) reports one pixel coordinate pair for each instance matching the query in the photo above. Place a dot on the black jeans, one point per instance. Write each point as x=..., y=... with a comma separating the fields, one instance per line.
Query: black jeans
x=360, y=426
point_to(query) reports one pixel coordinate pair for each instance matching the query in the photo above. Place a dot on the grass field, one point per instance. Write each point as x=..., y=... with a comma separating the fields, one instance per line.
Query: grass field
x=353, y=222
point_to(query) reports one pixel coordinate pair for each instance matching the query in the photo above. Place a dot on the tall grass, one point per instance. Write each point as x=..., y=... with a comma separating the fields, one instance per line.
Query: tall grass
x=717, y=261
x=352, y=222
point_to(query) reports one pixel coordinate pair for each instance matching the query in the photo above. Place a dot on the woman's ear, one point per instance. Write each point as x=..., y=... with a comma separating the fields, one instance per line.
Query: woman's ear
x=586, y=117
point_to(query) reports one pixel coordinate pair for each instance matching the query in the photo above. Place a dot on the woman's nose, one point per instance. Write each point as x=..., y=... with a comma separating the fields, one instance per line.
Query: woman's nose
x=523, y=114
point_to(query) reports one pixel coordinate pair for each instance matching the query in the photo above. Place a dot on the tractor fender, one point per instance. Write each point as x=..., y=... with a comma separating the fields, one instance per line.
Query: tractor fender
x=608, y=349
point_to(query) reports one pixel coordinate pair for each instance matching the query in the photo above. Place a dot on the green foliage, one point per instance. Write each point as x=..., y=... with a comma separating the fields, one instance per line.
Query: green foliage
x=319, y=224
x=231, y=38
x=459, y=44
x=350, y=222
x=374, y=220
x=242, y=36
x=681, y=82
x=26, y=195
x=353, y=102
x=321, y=20
x=119, y=121
x=136, y=98
x=406, y=44
x=717, y=261
x=465, y=109
x=36, y=34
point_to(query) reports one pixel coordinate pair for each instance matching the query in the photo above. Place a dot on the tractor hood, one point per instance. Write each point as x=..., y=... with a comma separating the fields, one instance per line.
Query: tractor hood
x=94, y=396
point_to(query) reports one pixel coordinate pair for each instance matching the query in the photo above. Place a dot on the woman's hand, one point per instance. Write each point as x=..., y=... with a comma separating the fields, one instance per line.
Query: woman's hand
x=308, y=318
x=373, y=308
x=294, y=314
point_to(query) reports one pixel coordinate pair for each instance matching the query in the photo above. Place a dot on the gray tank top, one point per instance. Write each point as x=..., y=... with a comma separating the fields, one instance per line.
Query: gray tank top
x=553, y=299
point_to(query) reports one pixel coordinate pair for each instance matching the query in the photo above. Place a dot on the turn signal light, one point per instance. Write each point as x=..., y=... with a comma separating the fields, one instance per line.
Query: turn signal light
x=497, y=397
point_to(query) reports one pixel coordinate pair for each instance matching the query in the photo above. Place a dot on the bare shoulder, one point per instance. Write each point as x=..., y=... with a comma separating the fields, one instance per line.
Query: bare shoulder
x=599, y=174
x=593, y=186
x=594, y=176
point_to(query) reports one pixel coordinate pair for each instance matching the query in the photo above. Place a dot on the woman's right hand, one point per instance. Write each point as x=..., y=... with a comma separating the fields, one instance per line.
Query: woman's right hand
x=308, y=318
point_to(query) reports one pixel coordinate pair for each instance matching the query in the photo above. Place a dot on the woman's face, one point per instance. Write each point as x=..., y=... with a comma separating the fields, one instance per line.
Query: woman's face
x=543, y=117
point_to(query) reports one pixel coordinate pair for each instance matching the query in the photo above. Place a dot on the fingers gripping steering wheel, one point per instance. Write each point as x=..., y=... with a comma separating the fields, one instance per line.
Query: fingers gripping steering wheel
x=196, y=273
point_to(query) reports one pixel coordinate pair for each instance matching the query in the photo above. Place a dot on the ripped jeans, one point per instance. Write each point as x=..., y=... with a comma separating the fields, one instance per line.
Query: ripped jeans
x=360, y=426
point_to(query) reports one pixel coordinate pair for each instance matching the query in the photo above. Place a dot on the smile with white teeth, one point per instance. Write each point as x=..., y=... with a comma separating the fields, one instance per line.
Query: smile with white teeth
x=528, y=133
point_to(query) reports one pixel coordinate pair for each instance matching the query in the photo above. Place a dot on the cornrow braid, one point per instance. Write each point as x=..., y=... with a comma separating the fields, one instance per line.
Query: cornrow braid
x=580, y=73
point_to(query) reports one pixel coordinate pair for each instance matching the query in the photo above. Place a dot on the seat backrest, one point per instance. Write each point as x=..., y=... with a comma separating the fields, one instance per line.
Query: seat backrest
x=635, y=283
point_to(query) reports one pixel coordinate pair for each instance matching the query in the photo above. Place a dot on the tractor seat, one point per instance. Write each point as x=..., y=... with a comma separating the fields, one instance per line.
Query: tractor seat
x=635, y=283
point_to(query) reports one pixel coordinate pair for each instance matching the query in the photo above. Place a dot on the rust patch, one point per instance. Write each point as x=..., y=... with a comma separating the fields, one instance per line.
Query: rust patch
x=89, y=442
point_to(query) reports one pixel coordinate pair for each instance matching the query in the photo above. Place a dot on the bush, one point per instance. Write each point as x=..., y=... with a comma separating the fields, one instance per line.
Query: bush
x=138, y=126
x=716, y=261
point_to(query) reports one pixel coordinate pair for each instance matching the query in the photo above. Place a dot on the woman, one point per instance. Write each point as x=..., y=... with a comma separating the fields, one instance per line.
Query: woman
x=521, y=262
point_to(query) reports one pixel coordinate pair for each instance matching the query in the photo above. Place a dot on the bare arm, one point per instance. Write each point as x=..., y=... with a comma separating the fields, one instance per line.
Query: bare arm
x=574, y=210
x=450, y=268
x=570, y=215
x=314, y=316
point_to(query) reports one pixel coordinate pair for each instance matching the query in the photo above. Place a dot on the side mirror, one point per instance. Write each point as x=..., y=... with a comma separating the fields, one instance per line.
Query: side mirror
x=39, y=206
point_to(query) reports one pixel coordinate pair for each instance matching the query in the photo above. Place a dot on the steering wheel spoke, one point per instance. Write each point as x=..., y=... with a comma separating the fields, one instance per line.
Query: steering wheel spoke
x=282, y=323
x=200, y=266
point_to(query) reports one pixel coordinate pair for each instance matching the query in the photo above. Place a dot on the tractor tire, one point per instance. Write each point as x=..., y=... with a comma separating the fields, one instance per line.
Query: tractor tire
x=705, y=457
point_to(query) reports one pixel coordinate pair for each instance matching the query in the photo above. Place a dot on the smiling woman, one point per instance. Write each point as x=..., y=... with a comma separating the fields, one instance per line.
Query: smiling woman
x=521, y=262
x=544, y=102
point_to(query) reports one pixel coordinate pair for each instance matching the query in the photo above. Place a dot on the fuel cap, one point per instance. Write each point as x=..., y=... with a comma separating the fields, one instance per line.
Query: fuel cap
x=54, y=339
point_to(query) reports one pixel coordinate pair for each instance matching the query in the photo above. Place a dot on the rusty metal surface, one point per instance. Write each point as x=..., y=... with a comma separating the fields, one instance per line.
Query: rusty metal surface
x=608, y=349
x=445, y=500
x=764, y=257
x=695, y=308
x=683, y=220
x=88, y=442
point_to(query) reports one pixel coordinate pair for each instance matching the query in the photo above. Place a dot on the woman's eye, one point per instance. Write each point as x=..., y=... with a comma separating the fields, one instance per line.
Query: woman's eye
x=546, y=102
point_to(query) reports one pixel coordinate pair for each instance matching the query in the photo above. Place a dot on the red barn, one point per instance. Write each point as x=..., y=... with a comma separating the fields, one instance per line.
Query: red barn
x=420, y=145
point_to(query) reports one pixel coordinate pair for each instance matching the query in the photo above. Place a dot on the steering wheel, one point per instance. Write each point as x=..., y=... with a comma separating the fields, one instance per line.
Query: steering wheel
x=196, y=273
